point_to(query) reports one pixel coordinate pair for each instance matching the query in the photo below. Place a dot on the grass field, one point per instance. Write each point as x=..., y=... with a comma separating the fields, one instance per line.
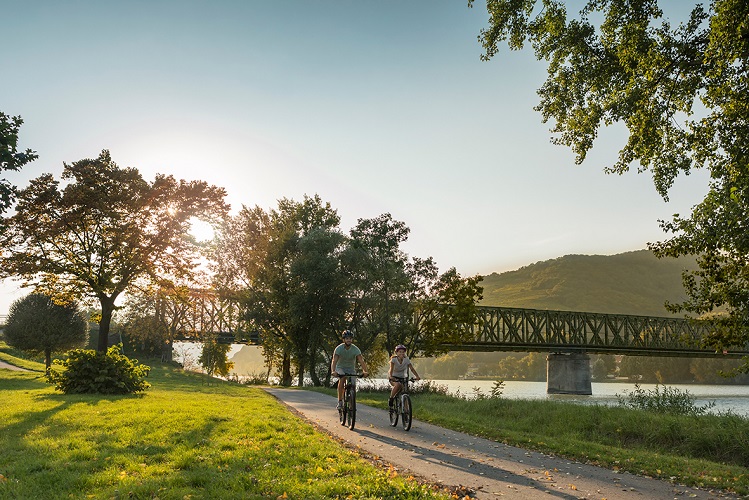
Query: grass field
x=181, y=439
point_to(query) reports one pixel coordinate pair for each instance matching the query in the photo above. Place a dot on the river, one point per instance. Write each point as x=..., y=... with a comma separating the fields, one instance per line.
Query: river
x=733, y=398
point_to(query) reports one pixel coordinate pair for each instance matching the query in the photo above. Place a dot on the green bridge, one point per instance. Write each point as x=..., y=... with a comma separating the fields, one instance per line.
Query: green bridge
x=515, y=329
x=570, y=336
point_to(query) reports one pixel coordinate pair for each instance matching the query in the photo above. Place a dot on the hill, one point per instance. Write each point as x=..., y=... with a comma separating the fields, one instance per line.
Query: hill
x=628, y=283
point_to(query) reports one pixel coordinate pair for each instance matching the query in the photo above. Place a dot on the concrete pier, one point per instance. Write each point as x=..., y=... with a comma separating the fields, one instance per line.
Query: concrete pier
x=568, y=374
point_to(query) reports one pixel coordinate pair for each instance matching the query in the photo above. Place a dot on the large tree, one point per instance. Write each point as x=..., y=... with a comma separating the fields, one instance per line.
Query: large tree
x=381, y=284
x=683, y=94
x=398, y=299
x=10, y=157
x=104, y=231
x=282, y=266
x=38, y=325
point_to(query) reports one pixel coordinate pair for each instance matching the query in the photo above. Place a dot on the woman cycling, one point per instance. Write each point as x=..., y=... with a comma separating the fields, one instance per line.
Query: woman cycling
x=399, y=366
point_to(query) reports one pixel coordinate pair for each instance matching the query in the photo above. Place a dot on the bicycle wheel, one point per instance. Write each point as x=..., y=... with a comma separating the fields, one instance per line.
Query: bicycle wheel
x=352, y=408
x=406, y=411
x=394, y=411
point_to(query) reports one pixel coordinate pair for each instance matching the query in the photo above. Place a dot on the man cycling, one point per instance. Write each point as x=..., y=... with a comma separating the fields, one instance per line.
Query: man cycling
x=344, y=361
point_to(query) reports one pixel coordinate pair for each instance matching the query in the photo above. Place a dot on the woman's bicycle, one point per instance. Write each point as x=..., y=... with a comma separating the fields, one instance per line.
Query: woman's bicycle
x=347, y=411
x=401, y=406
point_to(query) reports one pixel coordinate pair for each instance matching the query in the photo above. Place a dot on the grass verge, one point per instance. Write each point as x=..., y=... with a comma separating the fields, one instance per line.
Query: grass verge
x=707, y=451
x=181, y=439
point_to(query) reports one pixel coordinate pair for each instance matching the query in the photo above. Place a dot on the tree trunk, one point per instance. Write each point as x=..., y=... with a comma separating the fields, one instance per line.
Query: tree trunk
x=300, y=378
x=286, y=370
x=48, y=359
x=107, y=308
x=167, y=351
x=313, y=371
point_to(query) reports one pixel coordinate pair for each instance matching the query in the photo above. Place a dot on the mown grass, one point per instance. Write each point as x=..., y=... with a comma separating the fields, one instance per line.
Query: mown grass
x=709, y=451
x=181, y=439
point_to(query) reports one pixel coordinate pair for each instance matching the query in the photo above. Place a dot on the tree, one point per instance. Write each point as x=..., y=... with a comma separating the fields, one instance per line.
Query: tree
x=10, y=157
x=442, y=308
x=682, y=94
x=282, y=266
x=153, y=317
x=105, y=231
x=380, y=283
x=404, y=300
x=319, y=298
x=38, y=325
x=214, y=358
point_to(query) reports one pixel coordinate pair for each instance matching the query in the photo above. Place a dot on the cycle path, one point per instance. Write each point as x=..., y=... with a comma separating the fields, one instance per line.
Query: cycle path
x=8, y=366
x=487, y=468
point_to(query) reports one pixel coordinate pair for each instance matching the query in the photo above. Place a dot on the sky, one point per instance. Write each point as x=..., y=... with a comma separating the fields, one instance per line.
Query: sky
x=376, y=106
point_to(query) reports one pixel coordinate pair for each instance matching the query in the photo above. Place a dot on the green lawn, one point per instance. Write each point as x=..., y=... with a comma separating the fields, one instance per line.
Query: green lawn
x=181, y=439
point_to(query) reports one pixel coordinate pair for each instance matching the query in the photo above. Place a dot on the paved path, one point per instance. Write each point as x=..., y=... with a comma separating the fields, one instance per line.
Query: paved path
x=8, y=366
x=491, y=469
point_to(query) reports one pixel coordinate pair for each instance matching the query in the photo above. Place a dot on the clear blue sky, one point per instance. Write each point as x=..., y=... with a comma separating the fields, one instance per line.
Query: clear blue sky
x=377, y=106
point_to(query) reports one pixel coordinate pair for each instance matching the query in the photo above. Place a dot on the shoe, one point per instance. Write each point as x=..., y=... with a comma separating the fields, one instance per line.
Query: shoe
x=339, y=406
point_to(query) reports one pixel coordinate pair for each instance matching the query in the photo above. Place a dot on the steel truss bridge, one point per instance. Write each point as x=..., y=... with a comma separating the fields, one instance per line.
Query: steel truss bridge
x=515, y=329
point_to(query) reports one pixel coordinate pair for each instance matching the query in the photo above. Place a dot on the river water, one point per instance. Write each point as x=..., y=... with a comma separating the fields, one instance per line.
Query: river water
x=733, y=398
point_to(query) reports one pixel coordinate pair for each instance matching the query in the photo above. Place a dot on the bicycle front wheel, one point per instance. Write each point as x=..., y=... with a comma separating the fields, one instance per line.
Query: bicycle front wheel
x=394, y=410
x=352, y=409
x=406, y=412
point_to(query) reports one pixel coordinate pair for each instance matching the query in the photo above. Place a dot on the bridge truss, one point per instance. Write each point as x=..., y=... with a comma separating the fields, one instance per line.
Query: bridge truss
x=516, y=329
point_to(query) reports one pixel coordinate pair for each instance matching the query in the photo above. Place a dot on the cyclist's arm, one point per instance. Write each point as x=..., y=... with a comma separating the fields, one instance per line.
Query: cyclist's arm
x=390, y=370
x=334, y=363
x=411, y=366
x=360, y=359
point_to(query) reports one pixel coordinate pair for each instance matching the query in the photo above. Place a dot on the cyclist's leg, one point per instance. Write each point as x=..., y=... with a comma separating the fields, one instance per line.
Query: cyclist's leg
x=341, y=384
x=394, y=392
x=395, y=389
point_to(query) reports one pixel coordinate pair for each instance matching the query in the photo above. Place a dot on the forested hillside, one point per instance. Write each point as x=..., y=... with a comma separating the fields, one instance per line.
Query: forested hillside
x=628, y=283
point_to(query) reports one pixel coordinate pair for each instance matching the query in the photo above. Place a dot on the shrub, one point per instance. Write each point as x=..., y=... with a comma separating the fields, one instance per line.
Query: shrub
x=87, y=371
x=668, y=400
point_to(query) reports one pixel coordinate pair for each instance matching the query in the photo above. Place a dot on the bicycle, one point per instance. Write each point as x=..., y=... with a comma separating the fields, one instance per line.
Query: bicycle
x=347, y=411
x=401, y=406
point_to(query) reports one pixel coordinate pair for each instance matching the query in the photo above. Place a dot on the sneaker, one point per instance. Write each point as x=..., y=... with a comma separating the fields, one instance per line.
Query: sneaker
x=339, y=406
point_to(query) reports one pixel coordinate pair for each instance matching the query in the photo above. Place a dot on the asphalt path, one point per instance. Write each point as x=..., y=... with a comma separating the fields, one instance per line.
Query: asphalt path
x=8, y=366
x=465, y=463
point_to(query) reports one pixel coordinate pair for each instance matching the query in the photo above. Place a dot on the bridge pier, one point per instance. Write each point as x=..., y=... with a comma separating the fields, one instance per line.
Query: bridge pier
x=568, y=374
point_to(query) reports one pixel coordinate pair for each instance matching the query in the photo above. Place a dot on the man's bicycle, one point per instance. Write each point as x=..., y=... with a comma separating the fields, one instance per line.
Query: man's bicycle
x=401, y=406
x=347, y=411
